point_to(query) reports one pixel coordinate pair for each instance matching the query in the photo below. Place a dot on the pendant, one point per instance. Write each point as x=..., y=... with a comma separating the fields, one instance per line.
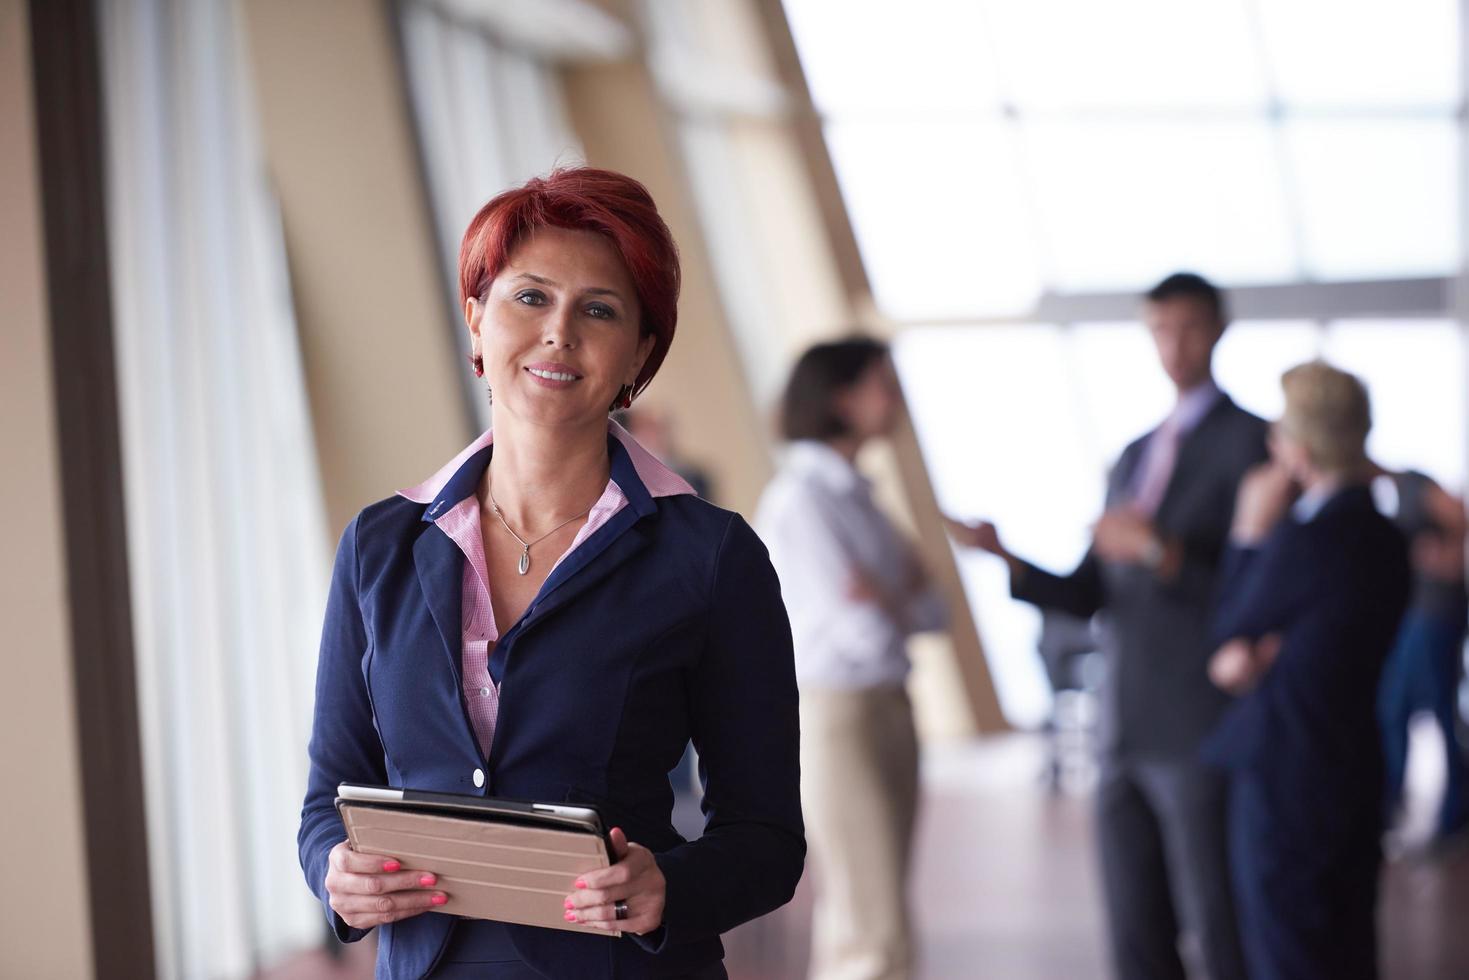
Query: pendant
x=525, y=561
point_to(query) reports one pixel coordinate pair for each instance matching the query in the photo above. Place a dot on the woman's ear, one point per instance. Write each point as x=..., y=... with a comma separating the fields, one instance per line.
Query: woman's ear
x=474, y=312
x=646, y=343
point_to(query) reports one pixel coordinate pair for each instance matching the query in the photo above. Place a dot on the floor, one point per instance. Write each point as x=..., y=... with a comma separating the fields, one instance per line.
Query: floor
x=1006, y=887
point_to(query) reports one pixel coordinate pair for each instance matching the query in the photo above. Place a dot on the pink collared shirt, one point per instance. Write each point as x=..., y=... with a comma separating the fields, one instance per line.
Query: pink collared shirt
x=1160, y=453
x=461, y=523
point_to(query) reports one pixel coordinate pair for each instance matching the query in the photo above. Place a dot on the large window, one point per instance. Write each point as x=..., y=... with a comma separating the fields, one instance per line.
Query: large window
x=1006, y=157
x=1063, y=145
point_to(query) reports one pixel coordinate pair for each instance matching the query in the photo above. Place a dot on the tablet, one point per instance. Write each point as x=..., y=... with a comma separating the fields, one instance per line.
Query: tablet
x=506, y=860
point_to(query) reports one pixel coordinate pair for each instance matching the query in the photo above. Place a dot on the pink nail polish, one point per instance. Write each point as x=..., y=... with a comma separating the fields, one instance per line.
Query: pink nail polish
x=391, y=865
x=569, y=906
x=426, y=880
x=440, y=899
x=580, y=883
x=570, y=916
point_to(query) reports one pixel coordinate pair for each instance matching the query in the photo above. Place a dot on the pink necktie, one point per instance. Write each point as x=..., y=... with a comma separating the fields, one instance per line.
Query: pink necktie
x=1162, y=453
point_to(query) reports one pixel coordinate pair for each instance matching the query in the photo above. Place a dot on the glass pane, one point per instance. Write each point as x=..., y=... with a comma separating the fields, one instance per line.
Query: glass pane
x=731, y=232
x=1252, y=356
x=1127, y=393
x=1124, y=391
x=987, y=460
x=921, y=56
x=942, y=227
x=1415, y=372
x=1377, y=198
x=1123, y=204
x=1064, y=54
x=1327, y=53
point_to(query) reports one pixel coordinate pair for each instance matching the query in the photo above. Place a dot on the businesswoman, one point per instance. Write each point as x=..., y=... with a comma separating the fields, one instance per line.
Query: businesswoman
x=1310, y=598
x=856, y=591
x=552, y=616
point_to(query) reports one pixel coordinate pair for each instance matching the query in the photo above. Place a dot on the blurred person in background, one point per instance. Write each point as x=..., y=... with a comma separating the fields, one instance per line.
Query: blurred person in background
x=1310, y=598
x=855, y=590
x=1150, y=572
x=656, y=431
x=1422, y=673
x=552, y=616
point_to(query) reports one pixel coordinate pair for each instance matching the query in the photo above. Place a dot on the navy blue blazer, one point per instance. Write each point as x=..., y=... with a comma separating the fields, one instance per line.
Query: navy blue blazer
x=1334, y=587
x=665, y=625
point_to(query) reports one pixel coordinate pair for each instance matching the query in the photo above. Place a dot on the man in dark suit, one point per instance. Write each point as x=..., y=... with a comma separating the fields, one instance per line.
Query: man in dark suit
x=1309, y=604
x=1150, y=572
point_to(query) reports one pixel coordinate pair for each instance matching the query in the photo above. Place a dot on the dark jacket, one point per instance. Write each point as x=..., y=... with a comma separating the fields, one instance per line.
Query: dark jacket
x=1334, y=587
x=665, y=625
x=1157, y=702
x=1303, y=747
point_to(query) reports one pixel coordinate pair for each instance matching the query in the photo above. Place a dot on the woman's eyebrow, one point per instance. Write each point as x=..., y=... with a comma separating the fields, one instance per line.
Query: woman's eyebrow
x=595, y=290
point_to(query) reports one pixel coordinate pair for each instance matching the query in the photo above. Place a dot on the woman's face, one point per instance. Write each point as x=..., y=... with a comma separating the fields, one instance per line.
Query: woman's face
x=560, y=329
x=870, y=404
x=1290, y=454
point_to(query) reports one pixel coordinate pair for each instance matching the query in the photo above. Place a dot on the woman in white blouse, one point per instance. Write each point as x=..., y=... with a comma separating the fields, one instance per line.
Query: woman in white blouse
x=855, y=591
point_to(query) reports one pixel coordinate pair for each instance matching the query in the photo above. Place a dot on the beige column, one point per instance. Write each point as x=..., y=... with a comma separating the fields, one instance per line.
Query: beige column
x=386, y=381
x=811, y=259
x=45, y=922
x=615, y=112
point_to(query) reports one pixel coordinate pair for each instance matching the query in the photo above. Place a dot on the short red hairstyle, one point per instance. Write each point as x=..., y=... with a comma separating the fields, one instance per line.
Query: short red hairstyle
x=583, y=199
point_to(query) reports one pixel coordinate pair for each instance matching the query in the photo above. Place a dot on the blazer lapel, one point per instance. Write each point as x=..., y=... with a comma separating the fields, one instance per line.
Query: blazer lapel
x=1119, y=482
x=592, y=562
x=596, y=558
x=617, y=541
x=1191, y=450
x=440, y=566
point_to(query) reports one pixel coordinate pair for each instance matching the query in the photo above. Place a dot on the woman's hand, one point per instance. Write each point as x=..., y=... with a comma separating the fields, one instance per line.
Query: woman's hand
x=369, y=890
x=1264, y=495
x=1238, y=666
x=634, y=880
x=863, y=588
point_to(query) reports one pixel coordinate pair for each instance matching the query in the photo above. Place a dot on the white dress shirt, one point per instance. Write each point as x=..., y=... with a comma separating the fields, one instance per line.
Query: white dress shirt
x=820, y=523
x=1309, y=504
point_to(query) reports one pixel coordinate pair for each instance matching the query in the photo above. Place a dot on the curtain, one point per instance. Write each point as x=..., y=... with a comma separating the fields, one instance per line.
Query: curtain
x=489, y=114
x=228, y=544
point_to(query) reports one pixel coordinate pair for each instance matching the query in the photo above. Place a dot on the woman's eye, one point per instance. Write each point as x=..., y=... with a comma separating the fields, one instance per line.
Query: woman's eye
x=530, y=297
x=601, y=311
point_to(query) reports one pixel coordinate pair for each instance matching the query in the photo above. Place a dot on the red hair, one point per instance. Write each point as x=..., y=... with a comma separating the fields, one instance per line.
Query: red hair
x=583, y=199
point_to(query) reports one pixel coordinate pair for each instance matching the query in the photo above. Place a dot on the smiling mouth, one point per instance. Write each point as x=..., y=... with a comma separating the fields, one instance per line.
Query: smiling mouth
x=554, y=375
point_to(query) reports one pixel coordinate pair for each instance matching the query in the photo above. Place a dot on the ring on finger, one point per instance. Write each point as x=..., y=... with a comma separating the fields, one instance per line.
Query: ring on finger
x=619, y=909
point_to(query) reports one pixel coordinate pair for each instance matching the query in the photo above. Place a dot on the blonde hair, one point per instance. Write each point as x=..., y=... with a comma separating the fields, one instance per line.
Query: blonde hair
x=1328, y=413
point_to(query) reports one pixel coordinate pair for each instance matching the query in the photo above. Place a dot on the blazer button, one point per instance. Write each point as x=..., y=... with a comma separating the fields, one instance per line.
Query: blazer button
x=479, y=778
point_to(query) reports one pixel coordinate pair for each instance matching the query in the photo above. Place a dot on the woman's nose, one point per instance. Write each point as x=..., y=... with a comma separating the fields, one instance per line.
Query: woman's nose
x=560, y=331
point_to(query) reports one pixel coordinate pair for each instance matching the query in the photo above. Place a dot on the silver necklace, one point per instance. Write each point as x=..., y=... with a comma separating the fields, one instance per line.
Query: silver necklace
x=524, y=566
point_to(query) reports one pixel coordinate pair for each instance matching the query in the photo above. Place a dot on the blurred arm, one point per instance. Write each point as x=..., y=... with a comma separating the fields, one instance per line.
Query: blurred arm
x=1080, y=593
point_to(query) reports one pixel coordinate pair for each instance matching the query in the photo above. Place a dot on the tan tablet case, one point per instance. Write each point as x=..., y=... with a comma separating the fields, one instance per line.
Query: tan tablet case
x=489, y=869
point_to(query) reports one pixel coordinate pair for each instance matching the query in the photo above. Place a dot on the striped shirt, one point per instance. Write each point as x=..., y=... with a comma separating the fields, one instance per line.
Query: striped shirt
x=461, y=523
